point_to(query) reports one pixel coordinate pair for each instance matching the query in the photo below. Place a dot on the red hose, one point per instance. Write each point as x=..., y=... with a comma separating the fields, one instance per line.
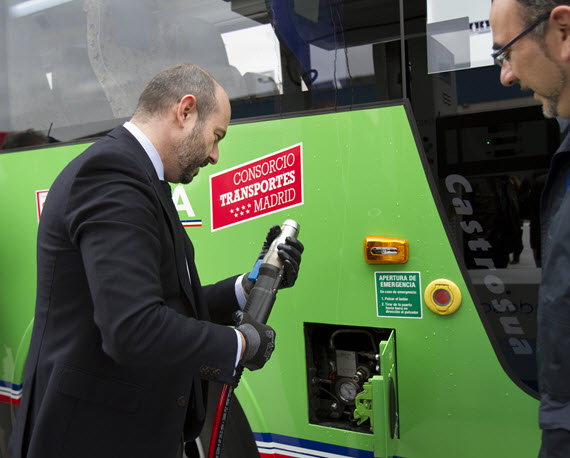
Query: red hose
x=219, y=420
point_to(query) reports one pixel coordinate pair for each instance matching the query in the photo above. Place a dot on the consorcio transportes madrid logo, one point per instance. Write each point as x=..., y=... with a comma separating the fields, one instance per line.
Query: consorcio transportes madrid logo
x=266, y=185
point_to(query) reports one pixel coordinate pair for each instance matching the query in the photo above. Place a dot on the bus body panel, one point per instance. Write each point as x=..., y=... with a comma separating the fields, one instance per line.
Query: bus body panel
x=362, y=175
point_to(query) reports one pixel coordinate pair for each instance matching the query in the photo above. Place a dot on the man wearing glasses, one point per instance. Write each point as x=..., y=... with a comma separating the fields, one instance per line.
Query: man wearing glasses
x=532, y=43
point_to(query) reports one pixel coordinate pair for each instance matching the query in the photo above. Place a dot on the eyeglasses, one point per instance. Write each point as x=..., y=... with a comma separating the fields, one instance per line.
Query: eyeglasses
x=499, y=57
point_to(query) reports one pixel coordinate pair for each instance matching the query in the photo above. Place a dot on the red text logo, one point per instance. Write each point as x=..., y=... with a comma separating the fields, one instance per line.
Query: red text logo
x=260, y=187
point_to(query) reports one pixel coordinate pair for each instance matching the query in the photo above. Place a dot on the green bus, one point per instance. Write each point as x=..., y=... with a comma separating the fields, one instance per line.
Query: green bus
x=411, y=330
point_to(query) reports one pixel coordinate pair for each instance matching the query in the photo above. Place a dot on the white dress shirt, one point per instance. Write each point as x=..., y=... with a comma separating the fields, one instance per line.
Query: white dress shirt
x=159, y=167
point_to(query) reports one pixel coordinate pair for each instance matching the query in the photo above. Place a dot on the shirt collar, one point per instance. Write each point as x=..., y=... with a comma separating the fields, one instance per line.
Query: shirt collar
x=148, y=147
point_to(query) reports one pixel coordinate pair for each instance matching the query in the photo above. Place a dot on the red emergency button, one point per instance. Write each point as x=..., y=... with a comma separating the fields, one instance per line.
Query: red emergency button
x=442, y=297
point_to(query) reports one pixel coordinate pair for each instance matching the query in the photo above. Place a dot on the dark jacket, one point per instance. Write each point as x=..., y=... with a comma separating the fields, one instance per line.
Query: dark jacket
x=553, y=339
x=121, y=336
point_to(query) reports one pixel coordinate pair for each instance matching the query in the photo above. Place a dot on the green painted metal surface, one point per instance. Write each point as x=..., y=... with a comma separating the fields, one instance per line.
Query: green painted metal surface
x=363, y=408
x=21, y=176
x=362, y=175
x=385, y=435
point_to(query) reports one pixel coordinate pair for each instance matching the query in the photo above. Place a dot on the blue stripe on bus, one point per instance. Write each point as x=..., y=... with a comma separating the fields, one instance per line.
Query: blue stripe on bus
x=314, y=445
x=10, y=393
x=191, y=222
x=10, y=385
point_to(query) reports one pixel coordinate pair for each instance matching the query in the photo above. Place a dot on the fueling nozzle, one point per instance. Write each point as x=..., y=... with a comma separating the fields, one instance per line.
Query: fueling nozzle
x=262, y=296
x=258, y=306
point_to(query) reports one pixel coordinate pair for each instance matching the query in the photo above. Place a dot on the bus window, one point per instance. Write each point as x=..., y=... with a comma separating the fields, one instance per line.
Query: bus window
x=84, y=62
x=76, y=68
x=254, y=51
x=491, y=166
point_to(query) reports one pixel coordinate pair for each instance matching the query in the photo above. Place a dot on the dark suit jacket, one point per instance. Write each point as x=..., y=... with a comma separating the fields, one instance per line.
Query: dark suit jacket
x=121, y=337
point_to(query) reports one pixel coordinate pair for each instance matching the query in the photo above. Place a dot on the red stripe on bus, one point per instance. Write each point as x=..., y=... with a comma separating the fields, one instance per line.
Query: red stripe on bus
x=9, y=400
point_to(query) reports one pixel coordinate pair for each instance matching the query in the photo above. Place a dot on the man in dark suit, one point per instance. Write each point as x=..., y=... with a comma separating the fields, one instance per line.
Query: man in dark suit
x=531, y=39
x=124, y=334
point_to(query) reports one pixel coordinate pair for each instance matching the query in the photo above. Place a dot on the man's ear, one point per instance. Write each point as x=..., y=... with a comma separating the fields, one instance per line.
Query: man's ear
x=560, y=18
x=186, y=109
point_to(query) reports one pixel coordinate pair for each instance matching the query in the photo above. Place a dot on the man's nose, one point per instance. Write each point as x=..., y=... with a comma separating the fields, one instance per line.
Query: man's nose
x=214, y=155
x=508, y=78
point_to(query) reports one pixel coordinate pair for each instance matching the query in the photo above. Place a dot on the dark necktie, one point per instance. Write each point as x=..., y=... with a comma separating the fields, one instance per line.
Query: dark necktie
x=179, y=238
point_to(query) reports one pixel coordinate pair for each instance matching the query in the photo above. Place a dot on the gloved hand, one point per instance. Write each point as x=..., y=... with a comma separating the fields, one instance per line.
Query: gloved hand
x=289, y=252
x=259, y=341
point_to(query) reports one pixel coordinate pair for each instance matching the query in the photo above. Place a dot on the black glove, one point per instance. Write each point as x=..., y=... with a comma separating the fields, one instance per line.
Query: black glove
x=289, y=252
x=259, y=341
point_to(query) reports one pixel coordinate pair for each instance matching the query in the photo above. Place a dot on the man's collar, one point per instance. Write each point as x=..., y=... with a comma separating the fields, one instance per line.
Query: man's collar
x=148, y=147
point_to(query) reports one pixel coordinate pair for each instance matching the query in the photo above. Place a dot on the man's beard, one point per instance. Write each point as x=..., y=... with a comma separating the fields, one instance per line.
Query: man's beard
x=550, y=102
x=549, y=105
x=190, y=154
